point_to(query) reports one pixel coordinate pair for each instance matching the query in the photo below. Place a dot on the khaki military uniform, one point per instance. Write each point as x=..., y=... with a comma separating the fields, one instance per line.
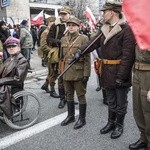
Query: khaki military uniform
x=45, y=50
x=73, y=77
x=141, y=86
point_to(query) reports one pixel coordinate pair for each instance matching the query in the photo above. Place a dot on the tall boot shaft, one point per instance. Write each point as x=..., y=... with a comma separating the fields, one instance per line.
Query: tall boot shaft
x=82, y=110
x=62, y=98
x=111, y=116
x=119, y=127
x=62, y=93
x=82, y=114
x=53, y=93
x=71, y=111
x=110, y=124
x=45, y=86
x=120, y=119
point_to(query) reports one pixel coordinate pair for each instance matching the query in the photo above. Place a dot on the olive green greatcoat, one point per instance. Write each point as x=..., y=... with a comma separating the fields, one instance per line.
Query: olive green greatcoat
x=141, y=86
x=80, y=68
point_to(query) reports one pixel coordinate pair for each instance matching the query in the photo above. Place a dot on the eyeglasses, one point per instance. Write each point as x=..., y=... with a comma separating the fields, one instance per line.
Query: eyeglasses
x=11, y=46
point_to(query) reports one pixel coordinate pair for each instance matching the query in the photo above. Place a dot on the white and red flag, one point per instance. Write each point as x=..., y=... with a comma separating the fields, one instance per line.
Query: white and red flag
x=137, y=14
x=38, y=20
x=91, y=18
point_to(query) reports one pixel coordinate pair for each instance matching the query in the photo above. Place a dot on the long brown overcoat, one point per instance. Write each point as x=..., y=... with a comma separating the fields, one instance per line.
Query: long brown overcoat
x=119, y=43
x=12, y=75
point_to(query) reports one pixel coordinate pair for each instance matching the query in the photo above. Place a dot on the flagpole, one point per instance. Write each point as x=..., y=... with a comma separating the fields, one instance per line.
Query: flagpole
x=44, y=19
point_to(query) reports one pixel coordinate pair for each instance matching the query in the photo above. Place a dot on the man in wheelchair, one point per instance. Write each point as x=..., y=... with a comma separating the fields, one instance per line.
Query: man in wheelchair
x=12, y=75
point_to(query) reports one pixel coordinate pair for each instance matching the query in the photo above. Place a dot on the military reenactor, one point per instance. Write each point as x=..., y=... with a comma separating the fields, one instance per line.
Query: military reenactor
x=56, y=32
x=44, y=48
x=117, y=44
x=141, y=101
x=76, y=78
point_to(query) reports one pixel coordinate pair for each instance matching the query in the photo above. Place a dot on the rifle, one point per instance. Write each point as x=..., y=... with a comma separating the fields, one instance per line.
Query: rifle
x=82, y=53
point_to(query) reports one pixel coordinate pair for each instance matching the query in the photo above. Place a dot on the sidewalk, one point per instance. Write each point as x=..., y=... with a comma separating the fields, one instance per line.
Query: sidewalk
x=36, y=64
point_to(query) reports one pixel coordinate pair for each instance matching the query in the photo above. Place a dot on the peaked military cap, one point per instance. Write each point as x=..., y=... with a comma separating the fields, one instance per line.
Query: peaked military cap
x=74, y=20
x=12, y=41
x=115, y=5
x=50, y=19
x=65, y=9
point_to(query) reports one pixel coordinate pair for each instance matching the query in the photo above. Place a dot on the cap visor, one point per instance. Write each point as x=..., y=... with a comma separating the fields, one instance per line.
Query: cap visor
x=63, y=12
x=11, y=44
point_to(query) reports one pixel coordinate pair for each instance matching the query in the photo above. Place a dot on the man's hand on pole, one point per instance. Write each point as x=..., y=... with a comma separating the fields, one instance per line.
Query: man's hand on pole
x=76, y=56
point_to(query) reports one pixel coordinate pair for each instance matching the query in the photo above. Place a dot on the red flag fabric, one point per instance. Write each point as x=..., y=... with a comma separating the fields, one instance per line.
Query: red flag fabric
x=137, y=14
x=38, y=20
x=91, y=18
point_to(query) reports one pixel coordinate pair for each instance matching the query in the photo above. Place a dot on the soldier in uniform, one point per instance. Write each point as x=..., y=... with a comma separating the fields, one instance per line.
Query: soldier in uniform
x=141, y=98
x=117, y=44
x=75, y=79
x=56, y=32
x=44, y=48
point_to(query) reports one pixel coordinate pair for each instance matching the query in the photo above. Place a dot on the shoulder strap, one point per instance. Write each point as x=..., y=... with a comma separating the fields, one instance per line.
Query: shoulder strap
x=70, y=47
x=57, y=30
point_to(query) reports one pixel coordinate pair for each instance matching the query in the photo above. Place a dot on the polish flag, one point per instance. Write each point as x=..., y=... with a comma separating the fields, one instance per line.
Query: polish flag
x=38, y=20
x=91, y=18
x=137, y=14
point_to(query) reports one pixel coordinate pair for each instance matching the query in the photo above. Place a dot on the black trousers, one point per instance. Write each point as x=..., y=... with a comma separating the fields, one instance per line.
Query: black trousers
x=117, y=100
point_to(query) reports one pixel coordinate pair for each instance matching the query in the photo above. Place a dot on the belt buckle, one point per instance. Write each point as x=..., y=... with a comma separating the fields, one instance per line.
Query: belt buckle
x=105, y=61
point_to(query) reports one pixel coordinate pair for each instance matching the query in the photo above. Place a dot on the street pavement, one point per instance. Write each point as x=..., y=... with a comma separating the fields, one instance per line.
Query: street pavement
x=51, y=136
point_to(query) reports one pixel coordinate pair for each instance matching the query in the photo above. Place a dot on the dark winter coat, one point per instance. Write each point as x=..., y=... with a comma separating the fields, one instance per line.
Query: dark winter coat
x=12, y=75
x=59, y=27
x=119, y=43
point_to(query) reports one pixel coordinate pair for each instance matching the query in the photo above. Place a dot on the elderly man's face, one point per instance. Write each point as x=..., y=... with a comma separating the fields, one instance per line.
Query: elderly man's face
x=13, y=49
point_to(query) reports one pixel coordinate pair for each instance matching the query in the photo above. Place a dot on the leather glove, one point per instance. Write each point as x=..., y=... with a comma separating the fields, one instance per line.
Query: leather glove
x=85, y=79
x=76, y=56
x=119, y=83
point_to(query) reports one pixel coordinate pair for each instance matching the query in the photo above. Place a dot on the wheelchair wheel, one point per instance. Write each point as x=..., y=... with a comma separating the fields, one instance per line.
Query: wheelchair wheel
x=27, y=113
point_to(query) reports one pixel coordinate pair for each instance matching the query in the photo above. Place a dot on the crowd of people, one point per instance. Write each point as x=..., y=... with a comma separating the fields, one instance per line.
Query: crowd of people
x=62, y=44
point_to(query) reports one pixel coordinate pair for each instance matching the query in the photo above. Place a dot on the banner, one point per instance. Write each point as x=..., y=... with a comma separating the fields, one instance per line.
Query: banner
x=38, y=20
x=137, y=14
x=91, y=18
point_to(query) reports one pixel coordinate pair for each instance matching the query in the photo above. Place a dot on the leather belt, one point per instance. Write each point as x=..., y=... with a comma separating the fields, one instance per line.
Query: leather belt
x=110, y=62
x=142, y=66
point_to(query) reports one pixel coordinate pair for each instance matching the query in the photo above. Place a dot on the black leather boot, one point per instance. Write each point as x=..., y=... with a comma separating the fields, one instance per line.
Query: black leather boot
x=43, y=63
x=119, y=127
x=82, y=113
x=138, y=145
x=45, y=87
x=104, y=97
x=62, y=99
x=53, y=93
x=71, y=111
x=111, y=123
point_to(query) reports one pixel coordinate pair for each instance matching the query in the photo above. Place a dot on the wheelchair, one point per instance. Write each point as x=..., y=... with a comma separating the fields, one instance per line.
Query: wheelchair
x=26, y=113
